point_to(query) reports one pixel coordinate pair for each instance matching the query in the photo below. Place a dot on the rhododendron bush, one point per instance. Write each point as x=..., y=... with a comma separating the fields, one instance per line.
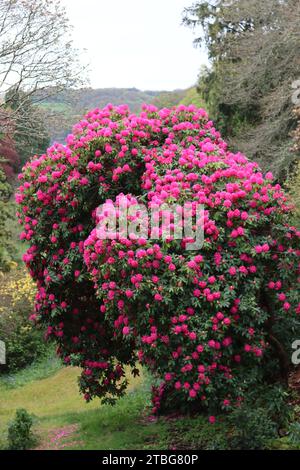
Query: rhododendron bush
x=207, y=323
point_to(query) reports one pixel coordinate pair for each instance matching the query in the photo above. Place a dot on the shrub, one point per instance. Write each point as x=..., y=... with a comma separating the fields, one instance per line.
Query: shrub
x=24, y=342
x=294, y=434
x=5, y=215
x=252, y=430
x=20, y=436
x=206, y=323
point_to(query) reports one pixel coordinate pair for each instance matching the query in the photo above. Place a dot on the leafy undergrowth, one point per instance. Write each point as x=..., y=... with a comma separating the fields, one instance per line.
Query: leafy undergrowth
x=62, y=420
x=42, y=369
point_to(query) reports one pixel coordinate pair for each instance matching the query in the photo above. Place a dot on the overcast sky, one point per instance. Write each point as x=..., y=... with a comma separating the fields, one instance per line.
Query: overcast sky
x=136, y=43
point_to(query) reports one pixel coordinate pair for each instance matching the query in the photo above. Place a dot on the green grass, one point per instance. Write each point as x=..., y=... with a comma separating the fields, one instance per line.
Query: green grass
x=50, y=393
x=16, y=247
x=42, y=369
x=55, y=107
x=123, y=426
x=62, y=420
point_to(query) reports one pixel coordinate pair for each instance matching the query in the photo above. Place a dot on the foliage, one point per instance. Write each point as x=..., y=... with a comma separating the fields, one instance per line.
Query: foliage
x=206, y=323
x=253, y=48
x=44, y=366
x=296, y=133
x=20, y=436
x=9, y=157
x=195, y=432
x=293, y=181
x=252, y=429
x=294, y=433
x=5, y=194
x=293, y=187
x=36, y=51
x=192, y=96
x=29, y=132
x=24, y=343
x=168, y=99
x=265, y=412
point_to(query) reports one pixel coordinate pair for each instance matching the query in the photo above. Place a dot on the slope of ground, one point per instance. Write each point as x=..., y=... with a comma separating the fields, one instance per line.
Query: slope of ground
x=62, y=420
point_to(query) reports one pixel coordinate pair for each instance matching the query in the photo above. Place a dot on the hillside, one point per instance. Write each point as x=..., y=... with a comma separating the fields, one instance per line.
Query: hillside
x=64, y=109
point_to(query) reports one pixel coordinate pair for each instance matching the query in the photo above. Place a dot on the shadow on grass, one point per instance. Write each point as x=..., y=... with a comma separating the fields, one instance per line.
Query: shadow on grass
x=122, y=426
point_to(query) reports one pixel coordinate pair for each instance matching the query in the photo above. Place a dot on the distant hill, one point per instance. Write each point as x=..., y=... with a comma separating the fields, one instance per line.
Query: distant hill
x=64, y=109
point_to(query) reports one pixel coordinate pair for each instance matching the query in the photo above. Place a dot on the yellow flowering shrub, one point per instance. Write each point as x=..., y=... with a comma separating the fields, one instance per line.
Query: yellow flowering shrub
x=24, y=343
x=16, y=287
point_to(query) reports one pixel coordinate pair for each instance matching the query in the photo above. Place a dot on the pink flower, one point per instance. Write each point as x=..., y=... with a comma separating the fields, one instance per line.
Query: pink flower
x=208, y=147
x=158, y=297
x=108, y=148
x=282, y=297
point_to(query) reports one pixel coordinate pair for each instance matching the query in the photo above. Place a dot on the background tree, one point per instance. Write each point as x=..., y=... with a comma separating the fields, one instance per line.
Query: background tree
x=254, y=49
x=5, y=214
x=36, y=60
x=30, y=133
x=296, y=133
x=9, y=158
x=293, y=183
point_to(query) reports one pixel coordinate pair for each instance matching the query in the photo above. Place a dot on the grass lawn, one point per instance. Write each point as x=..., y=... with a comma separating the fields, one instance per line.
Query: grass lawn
x=62, y=419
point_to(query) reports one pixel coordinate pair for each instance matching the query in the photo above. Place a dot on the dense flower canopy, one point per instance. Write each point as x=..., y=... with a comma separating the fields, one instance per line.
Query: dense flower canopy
x=202, y=321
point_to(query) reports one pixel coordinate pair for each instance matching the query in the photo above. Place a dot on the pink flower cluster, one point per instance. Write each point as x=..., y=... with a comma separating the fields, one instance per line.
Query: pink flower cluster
x=196, y=319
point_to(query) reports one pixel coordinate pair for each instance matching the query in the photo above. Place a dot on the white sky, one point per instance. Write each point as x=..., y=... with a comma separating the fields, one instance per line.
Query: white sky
x=136, y=43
